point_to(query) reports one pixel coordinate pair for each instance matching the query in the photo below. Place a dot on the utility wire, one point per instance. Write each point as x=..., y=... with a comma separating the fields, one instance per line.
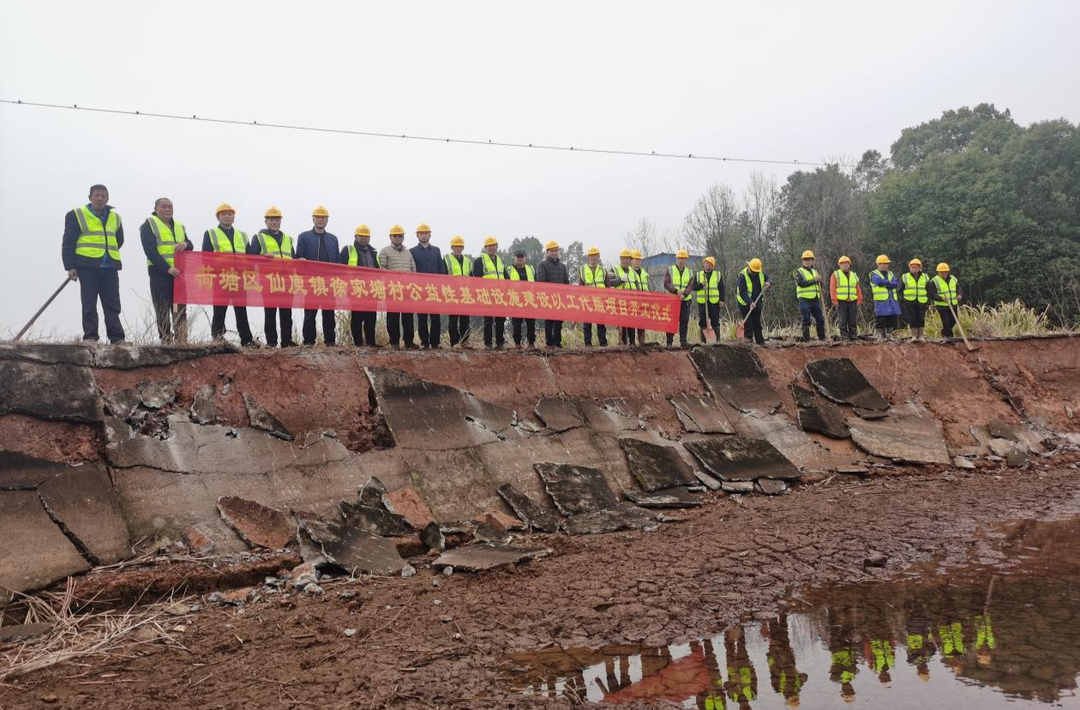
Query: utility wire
x=375, y=134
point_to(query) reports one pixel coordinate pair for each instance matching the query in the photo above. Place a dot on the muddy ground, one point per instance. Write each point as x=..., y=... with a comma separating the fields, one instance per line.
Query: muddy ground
x=433, y=641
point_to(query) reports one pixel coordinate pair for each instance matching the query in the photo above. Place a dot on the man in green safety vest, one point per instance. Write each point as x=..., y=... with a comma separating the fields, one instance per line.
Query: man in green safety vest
x=625, y=278
x=944, y=291
x=677, y=280
x=457, y=264
x=361, y=253
x=592, y=275
x=846, y=295
x=643, y=284
x=225, y=239
x=93, y=235
x=709, y=289
x=162, y=238
x=914, y=297
x=752, y=285
x=490, y=266
x=883, y=286
x=808, y=293
x=274, y=243
x=520, y=271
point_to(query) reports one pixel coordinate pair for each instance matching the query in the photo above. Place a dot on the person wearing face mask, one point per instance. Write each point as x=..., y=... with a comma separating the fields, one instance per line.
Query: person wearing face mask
x=226, y=239
x=397, y=258
x=162, y=238
x=361, y=253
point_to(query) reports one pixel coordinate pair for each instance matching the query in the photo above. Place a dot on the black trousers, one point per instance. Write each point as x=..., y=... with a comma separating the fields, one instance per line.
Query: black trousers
x=530, y=330
x=847, y=312
x=458, y=326
x=100, y=284
x=709, y=314
x=810, y=309
x=628, y=336
x=270, y=318
x=430, y=327
x=947, y=321
x=243, y=328
x=553, y=333
x=886, y=324
x=752, y=329
x=601, y=333
x=684, y=321
x=171, y=322
x=329, y=327
x=915, y=314
x=498, y=325
x=398, y=324
x=362, y=327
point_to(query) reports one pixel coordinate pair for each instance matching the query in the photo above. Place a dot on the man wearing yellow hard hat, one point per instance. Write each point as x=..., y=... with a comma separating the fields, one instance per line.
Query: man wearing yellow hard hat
x=883, y=286
x=457, y=264
x=361, y=253
x=317, y=244
x=808, y=293
x=709, y=289
x=274, y=243
x=592, y=275
x=846, y=295
x=677, y=280
x=643, y=283
x=553, y=271
x=944, y=292
x=914, y=297
x=226, y=239
x=428, y=260
x=397, y=258
x=490, y=266
x=751, y=285
x=625, y=278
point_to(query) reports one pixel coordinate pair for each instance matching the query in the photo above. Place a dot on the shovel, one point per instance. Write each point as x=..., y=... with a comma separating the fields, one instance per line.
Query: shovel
x=970, y=348
x=42, y=309
x=741, y=330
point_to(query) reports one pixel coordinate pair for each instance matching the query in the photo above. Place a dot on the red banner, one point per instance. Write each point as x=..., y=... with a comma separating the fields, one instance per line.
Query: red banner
x=212, y=279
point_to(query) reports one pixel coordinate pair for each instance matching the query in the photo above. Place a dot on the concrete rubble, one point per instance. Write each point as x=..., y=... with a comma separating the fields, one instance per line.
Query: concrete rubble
x=736, y=458
x=258, y=525
x=261, y=418
x=736, y=374
x=842, y=382
x=531, y=513
x=905, y=436
x=486, y=556
x=701, y=414
x=656, y=467
x=576, y=489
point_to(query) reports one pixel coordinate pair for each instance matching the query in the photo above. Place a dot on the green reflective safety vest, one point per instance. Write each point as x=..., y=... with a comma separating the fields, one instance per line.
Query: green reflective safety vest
x=354, y=256
x=846, y=286
x=220, y=241
x=946, y=291
x=514, y=276
x=915, y=288
x=681, y=280
x=880, y=292
x=593, y=276
x=95, y=237
x=268, y=245
x=745, y=273
x=166, y=239
x=711, y=292
x=493, y=269
x=458, y=269
x=809, y=293
x=628, y=276
x=642, y=278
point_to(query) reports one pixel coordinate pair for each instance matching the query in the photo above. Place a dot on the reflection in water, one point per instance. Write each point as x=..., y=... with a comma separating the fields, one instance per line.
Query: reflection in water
x=972, y=638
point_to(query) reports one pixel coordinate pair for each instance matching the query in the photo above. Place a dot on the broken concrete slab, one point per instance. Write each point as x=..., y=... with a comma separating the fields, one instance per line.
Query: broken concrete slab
x=129, y=358
x=378, y=521
x=485, y=532
x=842, y=382
x=559, y=414
x=262, y=419
x=735, y=373
x=1029, y=439
x=432, y=537
x=25, y=526
x=122, y=403
x=498, y=520
x=576, y=489
x=677, y=497
x=656, y=466
x=803, y=397
x=901, y=437
x=407, y=503
x=159, y=393
x=796, y=446
x=706, y=480
x=258, y=525
x=64, y=392
x=372, y=492
x=354, y=550
x=83, y=502
x=204, y=406
x=531, y=513
x=870, y=413
x=737, y=486
x=622, y=516
x=737, y=458
x=20, y=472
x=485, y=556
x=964, y=463
x=825, y=418
x=51, y=353
x=771, y=486
x=429, y=416
x=702, y=414
x=605, y=418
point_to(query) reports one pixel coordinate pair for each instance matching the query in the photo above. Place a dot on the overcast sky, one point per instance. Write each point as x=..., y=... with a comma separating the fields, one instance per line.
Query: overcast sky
x=774, y=80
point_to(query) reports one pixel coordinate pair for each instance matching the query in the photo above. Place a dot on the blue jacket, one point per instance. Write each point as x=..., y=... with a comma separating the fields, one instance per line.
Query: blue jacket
x=428, y=260
x=317, y=247
x=890, y=307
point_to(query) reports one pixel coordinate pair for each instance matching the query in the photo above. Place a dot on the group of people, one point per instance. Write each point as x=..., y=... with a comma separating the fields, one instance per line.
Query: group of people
x=94, y=235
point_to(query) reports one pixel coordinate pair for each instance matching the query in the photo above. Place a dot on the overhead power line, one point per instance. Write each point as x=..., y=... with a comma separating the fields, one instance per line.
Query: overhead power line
x=404, y=136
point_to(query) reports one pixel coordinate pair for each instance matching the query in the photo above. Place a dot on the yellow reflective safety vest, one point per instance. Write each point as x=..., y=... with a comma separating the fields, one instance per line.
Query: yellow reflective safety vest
x=680, y=280
x=642, y=278
x=880, y=292
x=220, y=241
x=745, y=273
x=810, y=293
x=166, y=238
x=268, y=245
x=94, y=237
x=493, y=269
x=627, y=275
x=915, y=288
x=846, y=286
x=946, y=291
x=594, y=277
x=458, y=269
x=354, y=256
x=514, y=276
x=711, y=292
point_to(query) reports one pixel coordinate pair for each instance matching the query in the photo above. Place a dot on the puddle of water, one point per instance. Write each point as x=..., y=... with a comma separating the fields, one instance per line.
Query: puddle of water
x=977, y=637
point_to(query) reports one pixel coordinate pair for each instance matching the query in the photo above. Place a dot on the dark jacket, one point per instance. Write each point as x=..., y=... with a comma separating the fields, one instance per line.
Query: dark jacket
x=750, y=295
x=800, y=280
x=149, y=245
x=428, y=259
x=253, y=241
x=365, y=256
x=552, y=271
x=478, y=266
x=697, y=284
x=313, y=246
x=208, y=242
x=71, y=234
x=931, y=289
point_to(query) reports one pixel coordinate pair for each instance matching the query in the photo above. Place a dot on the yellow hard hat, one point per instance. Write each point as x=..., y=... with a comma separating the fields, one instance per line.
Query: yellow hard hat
x=915, y=262
x=808, y=254
x=625, y=254
x=320, y=211
x=363, y=231
x=593, y=250
x=223, y=207
x=457, y=241
x=843, y=260
x=636, y=254
x=883, y=259
x=711, y=260
x=396, y=230
x=272, y=212
x=755, y=265
x=682, y=254
x=943, y=266
x=551, y=245
x=491, y=242
x=423, y=228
